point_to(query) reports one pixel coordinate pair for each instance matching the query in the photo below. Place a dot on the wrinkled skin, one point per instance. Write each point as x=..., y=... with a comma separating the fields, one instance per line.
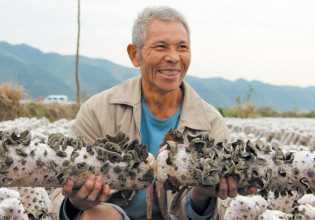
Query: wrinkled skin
x=90, y=194
x=88, y=198
x=163, y=60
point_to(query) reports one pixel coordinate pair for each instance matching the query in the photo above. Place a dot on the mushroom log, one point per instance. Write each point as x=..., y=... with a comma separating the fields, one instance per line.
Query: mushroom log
x=123, y=164
x=252, y=163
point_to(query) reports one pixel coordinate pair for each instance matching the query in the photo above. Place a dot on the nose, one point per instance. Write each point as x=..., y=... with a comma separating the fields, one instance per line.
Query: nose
x=172, y=56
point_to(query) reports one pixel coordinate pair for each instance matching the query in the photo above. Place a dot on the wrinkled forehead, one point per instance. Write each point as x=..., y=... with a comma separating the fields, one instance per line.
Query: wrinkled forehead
x=169, y=20
x=158, y=28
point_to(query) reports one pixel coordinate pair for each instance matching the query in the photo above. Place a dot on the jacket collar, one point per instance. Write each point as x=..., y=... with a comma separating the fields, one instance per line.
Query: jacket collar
x=128, y=92
x=193, y=113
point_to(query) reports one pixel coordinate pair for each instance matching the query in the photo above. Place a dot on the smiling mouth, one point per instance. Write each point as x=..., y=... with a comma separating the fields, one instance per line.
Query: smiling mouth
x=169, y=72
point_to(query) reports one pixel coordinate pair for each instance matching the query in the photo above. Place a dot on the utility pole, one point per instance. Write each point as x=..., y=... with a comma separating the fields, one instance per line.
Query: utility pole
x=77, y=58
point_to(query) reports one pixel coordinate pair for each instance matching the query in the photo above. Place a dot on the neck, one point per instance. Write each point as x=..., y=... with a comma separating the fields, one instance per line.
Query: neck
x=163, y=104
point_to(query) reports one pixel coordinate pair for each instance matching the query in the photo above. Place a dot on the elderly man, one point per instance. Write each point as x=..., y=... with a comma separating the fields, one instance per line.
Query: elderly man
x=146, y=107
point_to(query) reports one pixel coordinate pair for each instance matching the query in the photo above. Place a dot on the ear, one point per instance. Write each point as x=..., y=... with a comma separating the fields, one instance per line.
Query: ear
x=133, y=55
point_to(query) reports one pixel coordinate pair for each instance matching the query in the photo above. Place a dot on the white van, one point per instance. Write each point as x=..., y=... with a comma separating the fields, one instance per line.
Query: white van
x=62, y=99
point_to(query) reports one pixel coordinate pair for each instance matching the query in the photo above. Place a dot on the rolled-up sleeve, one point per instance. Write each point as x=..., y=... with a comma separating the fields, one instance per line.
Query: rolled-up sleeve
x=63, y=211
x=208, y=213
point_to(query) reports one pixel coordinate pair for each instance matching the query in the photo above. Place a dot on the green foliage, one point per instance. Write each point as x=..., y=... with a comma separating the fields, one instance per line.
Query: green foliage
x=238, y=100
x=227, y=112
x=310, y=114
x=267, y=112
x=249, y=93
x=85, y=95
x=248, y=110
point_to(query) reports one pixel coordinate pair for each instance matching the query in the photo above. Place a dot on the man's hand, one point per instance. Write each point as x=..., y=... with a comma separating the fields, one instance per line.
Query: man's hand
x=201, y=195
x=90, y=194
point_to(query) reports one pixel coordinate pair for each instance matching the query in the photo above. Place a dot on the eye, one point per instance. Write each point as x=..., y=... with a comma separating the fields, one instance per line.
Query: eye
x=183, y=46
x=160, y=46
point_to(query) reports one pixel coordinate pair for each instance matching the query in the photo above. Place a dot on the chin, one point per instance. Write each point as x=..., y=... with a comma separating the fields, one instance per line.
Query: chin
x=169, y=89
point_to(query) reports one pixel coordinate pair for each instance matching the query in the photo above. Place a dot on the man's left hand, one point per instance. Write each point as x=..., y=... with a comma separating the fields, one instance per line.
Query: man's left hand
x=201, y=195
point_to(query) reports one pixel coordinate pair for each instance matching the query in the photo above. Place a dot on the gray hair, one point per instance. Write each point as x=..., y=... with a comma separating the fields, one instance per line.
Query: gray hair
x=139, y=30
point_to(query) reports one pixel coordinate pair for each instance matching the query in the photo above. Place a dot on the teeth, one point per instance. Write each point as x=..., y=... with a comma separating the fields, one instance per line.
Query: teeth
x=169, y=72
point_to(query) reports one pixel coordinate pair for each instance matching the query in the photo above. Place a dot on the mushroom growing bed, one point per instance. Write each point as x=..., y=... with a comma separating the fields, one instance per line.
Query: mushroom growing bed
x=294, y=135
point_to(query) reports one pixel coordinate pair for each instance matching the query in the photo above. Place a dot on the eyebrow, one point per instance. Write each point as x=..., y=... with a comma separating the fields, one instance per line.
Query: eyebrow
x=164, y=42
x=184, y=42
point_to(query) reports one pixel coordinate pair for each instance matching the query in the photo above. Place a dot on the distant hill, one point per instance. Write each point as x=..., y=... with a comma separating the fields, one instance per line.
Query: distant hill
x=42, y=74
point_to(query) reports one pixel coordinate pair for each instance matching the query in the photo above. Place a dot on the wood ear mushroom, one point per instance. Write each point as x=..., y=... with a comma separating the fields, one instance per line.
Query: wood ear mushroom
x=204, y=162
x=26, y=163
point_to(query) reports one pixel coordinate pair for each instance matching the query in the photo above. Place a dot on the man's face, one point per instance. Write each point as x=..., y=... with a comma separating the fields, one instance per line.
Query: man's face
x=165, y=55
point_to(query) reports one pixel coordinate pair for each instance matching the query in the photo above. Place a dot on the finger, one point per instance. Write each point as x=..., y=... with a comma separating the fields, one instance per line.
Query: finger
x=252, y=190
x=247, y=191
x=213, y=191
x=87, y=187
x=158, y=187
x=161, y=149
x=96, y=189
x=67, y=189
x=223, y=189
x=106, y=192
x=232, y=187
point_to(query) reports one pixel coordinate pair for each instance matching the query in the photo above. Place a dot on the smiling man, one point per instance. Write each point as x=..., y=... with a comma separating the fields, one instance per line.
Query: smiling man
x=146, y=107
x=163, y=59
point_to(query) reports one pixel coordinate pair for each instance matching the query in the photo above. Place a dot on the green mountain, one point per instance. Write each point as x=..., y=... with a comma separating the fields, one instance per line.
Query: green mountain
x=42, y=74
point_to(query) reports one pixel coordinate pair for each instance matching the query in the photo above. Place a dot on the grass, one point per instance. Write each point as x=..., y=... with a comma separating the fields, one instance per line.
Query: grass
x=10, y=96
x=11, y=107
x=249, y=110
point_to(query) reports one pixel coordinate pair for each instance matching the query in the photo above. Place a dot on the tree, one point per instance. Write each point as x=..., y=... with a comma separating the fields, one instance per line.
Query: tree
x=249, y=93
x=77, y=58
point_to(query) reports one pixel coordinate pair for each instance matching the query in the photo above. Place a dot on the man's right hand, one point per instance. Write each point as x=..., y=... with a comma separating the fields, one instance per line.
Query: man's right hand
x=90, y=194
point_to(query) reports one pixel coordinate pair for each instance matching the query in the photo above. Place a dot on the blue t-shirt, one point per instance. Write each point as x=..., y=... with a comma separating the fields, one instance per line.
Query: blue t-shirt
x=153, y=131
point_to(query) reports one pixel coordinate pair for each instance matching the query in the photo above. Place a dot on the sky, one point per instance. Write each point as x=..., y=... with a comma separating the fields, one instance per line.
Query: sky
x=272, y=41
